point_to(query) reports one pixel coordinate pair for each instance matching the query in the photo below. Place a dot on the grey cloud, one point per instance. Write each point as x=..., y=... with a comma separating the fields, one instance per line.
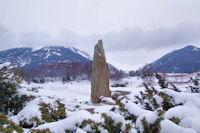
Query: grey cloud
x=135, y=38
x=7, y=38
x=33, y=39
x=127, y=39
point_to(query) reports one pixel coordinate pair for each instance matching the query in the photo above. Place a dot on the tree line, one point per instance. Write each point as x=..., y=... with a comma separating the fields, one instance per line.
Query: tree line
x=65, y=72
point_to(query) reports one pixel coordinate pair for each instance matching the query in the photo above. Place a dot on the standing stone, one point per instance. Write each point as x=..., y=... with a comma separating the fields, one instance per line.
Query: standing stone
x=100, y=74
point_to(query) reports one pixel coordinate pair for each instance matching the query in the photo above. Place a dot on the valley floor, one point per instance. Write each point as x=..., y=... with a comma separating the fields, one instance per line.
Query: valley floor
x=122, y=113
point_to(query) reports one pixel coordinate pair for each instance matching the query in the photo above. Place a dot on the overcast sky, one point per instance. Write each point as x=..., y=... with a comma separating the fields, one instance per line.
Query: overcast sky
x=134, y=32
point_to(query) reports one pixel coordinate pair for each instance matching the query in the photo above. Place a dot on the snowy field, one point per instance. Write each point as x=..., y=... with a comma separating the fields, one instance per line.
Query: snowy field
x=76, y=98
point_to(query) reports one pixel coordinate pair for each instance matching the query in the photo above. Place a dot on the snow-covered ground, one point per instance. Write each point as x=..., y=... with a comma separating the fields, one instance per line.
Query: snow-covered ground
x=78, y=91
x=76, y=98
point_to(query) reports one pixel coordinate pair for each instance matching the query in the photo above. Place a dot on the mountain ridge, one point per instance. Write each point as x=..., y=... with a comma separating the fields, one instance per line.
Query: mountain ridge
x=28, y=57
x=55, y=62
x=184, y=60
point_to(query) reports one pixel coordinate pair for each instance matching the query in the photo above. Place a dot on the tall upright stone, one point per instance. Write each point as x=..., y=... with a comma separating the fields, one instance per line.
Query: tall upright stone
x=100, y=74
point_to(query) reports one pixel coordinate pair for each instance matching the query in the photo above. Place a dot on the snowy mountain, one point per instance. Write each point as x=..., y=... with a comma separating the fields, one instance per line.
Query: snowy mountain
x=185, y=60
x=57, y=62
x=28, y=58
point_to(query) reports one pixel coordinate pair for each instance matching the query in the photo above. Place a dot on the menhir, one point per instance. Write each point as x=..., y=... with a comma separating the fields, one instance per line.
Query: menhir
x=100, y=74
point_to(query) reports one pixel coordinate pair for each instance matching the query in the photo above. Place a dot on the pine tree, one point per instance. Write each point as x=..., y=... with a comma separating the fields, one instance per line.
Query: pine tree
x=10, y=100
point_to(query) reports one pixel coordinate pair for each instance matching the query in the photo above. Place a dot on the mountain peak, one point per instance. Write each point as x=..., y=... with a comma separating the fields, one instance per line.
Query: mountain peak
x=26, y=57
x=191, y=47
x=82, y=53
x=185, y=60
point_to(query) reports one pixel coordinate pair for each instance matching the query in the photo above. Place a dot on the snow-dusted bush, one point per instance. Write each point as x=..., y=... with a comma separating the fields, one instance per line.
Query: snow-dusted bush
x=7, y=126
x=159, y=101
x=40, y=131
x=10, y=100
x=151, y=99
x=161, y=81
x=33, y=122
x=51, y=114
x=109, y=125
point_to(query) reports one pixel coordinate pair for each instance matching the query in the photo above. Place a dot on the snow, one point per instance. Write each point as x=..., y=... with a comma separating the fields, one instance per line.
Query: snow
x=76, y=98
x=169, y=127
x=82, y=53
x=191, y=122
x=99, y=54
x=107, y=99
x=184, y=98
x=35, y=54
x=23, y=62
x=80, y=131
x=5, y=126
x=182, y=112
x=47, y=56
x=116, y=117
x=70, y=122
x=134, y=109
x=6, y=64
x=29, y=111
x=196, y=49
x=72, y=90
x=58, y=54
